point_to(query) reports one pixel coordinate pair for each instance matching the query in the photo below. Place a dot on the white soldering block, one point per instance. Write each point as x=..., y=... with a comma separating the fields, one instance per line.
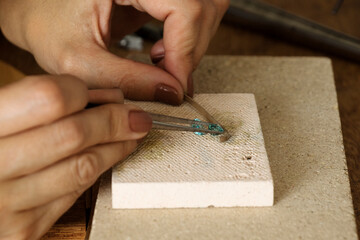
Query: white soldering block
x=173, y=169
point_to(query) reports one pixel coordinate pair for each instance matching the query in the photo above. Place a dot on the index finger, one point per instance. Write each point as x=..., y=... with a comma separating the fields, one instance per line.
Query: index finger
x=181, y=32
x=39, y=100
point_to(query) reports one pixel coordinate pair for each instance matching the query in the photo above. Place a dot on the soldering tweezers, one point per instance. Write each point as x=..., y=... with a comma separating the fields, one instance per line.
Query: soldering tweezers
x=164, y=122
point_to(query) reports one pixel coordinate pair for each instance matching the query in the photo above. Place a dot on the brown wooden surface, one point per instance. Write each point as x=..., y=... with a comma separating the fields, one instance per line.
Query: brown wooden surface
x=240, y=41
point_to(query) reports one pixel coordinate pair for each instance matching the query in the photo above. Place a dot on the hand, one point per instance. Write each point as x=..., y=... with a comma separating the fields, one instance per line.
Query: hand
x=51, y=149
x=71, y=36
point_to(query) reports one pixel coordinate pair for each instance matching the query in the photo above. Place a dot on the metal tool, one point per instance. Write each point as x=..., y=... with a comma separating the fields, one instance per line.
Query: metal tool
x=164, y=122
x=274, y=21
x=225, y=135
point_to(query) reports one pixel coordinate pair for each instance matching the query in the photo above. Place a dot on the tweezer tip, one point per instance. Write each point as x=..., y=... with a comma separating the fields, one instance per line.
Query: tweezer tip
x=224, y=137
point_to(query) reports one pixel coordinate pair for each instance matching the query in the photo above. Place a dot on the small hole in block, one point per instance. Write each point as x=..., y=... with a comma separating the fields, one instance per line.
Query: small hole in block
x=248, y=157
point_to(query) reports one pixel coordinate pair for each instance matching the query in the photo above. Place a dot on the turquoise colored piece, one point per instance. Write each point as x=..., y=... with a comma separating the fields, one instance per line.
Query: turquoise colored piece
x=216, y=127
x=197, y=126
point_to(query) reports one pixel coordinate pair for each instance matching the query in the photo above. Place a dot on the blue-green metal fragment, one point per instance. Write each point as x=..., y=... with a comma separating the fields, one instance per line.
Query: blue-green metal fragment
x=215, y=127
x=197, y=126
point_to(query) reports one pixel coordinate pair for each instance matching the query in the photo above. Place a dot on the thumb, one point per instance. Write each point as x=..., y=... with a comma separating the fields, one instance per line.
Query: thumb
x=138, y=81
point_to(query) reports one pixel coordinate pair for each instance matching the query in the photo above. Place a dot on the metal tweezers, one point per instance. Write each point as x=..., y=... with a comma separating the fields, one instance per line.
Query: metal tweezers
x=164, y=122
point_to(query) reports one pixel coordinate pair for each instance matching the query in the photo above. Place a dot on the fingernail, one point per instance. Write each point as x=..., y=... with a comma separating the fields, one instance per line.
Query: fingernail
x=157, y=58
x=190, y=86
x=166, y=94
x=139, y=121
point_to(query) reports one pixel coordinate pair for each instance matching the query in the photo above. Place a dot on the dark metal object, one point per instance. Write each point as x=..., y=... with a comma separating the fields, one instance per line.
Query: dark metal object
x=274, y=21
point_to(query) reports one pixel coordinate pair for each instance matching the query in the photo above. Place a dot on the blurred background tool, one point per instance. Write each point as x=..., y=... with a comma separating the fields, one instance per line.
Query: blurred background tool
x=274, y=21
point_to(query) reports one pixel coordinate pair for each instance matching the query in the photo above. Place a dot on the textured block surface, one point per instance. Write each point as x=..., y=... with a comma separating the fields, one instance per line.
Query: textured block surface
x=174, y=169
x=300, y=121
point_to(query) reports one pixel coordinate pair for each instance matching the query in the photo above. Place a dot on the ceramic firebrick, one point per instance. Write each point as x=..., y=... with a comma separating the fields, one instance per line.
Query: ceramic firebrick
x=173, y=169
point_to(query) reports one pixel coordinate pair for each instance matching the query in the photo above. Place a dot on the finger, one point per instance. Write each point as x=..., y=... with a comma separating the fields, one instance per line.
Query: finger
x=210, y=21
x=70, y=175
x=102, y=96
x=39, y=100
x=157, y=55
x=138, y=81
x=187, y=31
x=179, y=44
x=181, y=31
x=38, y=148
x=158, y=58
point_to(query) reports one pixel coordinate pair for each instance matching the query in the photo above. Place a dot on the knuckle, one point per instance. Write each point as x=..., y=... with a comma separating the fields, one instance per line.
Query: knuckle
x=49, y=97
x=114, y=121
x=85, y=170
x=127, y=83
x=71, y=134
x=67, y=61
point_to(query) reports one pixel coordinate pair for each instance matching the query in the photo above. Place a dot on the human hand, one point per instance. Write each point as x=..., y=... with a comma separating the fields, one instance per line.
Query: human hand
x=71, y=36
x=51, y=149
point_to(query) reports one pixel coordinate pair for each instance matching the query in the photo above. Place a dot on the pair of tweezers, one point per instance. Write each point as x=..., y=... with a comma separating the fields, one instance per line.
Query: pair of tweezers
x=164, y=122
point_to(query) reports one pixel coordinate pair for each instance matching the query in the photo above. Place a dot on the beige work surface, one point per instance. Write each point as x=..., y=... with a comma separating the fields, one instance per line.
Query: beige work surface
x=174, y=169
x=300, y=120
